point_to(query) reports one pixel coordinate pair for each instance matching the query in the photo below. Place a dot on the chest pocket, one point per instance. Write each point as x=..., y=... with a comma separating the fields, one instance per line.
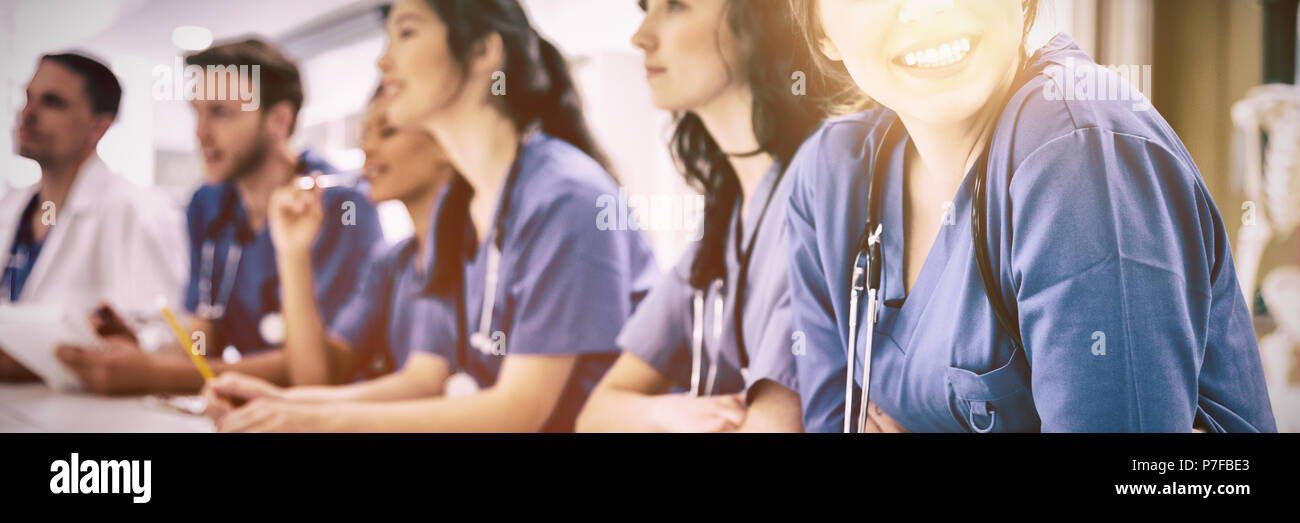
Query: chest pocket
x=995, y=401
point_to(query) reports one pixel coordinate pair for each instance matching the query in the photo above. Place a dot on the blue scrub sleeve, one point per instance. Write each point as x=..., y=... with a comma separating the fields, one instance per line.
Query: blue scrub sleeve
x=362, y=320
x=821, y=364
x=1113, y=255
x=658, y=333
x=573, y=290
x=351, y=229
x=196, y=226
x=773, y=358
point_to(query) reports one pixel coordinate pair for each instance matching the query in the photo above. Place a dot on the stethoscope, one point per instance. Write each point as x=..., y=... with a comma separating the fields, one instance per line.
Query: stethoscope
x=697, y=335
x=271, y=326
x=482, y=339
x=869, y=262
x=717, y=287
x=211, y=308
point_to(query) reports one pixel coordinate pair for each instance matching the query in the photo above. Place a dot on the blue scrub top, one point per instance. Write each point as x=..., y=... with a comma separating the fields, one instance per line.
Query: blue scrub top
x=391, y=309
x=22, y=253
x=661, y=331
x=338, y=256
x=1108, y=249
x=565, y=286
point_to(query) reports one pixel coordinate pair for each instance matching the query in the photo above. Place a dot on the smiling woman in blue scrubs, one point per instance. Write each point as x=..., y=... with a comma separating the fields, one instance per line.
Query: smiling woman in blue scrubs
x=500, y=100
x=1104, y=244
x=710, y=349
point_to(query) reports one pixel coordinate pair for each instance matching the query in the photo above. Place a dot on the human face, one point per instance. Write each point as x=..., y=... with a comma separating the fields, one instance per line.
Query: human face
x=420, y=75
x=57, y=123
x=936, y=61
x=690, y=52
x=233, y=142
x=400, y=162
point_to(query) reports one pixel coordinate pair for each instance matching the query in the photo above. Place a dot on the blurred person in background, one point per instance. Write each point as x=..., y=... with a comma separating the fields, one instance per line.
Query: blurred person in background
x=390, y=320
x=233, y=295
x=82, y=236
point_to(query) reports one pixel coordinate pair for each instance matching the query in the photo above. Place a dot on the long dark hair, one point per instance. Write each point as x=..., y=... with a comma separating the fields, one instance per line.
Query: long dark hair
x=540, y=89
x=454, y=233
x=771, y=58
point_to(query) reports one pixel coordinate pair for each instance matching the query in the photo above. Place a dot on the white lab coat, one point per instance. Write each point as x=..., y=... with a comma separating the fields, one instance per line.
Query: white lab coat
x=112, y=242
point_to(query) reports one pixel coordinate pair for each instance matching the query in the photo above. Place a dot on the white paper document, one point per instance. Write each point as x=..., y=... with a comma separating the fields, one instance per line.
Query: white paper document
x=31, y=333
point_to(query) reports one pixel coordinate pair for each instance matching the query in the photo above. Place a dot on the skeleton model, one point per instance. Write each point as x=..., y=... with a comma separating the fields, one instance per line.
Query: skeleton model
x=1268, y=173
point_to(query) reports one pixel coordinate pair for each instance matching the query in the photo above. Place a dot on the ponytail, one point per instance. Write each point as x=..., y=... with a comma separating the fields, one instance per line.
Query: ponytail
x=454, y=239
x=540, y=91
x=560, y=109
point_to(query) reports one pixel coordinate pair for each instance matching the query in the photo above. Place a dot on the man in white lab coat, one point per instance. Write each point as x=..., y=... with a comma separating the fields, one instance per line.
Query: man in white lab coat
x=83, y=236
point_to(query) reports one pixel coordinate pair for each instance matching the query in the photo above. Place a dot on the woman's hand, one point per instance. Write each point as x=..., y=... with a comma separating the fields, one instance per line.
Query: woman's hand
x=684, y=413
x=233, y=389
x=272, y=415
x=295, y=218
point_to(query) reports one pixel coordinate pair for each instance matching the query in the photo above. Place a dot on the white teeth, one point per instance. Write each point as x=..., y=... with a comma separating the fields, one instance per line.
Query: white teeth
x=941, y=56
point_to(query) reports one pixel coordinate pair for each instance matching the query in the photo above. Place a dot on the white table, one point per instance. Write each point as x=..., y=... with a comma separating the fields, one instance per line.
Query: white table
x=37, y=408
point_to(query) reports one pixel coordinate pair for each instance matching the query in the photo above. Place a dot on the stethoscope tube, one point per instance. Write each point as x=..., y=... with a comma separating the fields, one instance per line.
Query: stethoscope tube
x=743, y=254
x=865, y=278
x=210, y=307
x=697, y=336
x=867, y=269
x=482, y=339
x=867, y=265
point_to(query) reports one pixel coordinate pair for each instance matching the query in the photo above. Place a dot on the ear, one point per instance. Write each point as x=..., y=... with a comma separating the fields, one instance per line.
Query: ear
x=99, y=124
x=489, y=55
x=280, y=119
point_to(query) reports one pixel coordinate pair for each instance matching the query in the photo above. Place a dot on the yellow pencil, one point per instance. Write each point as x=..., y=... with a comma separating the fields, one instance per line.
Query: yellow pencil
x=185, y=344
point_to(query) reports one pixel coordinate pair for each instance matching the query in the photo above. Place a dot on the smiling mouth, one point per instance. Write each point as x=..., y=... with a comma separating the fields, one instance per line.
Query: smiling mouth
x=939, y=56
x=369, y=173
x=390, y=88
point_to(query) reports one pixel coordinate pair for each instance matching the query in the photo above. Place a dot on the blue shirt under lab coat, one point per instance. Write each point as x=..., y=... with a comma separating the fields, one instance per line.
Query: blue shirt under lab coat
x=660, y=333
x=1109, y=251
x=565, y=286
x=22, y=254
x=217, y=215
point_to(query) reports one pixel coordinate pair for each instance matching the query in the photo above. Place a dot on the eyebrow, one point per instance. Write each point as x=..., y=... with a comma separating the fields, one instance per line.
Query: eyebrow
x=404, y=17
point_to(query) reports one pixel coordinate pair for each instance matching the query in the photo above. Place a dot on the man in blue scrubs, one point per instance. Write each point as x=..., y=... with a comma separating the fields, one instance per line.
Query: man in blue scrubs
x=233, y=292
